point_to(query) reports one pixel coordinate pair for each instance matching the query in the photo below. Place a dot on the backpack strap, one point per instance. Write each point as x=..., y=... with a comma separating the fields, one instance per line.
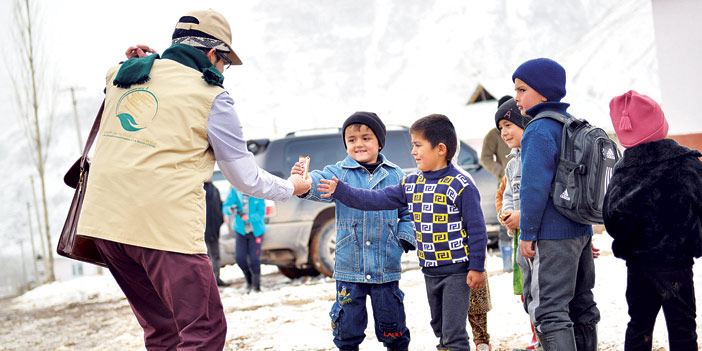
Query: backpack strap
x=569, y=123
x=552, y=115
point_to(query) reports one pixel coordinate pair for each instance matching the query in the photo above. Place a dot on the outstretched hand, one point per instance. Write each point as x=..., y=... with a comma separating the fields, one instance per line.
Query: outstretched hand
x=301, y=186
x=327, y=186
x=139, y=51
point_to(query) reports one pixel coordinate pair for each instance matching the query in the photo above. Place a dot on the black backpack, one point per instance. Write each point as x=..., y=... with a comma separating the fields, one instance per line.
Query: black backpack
x=587, y=160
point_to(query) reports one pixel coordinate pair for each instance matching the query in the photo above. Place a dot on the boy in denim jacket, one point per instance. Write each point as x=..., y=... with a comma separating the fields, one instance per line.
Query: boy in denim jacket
x=448, y=222
x=369, y=245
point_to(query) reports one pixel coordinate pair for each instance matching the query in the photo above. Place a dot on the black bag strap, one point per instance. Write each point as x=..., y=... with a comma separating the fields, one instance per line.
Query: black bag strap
x=74, y=176
x=552, y=115
x=571, y=123
x=92, y=135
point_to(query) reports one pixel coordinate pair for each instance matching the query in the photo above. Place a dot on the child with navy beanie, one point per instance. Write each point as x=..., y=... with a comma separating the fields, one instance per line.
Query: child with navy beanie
x=558, y=287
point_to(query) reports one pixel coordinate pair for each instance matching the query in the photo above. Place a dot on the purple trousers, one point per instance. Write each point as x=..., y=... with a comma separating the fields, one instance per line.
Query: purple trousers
x=174, y=296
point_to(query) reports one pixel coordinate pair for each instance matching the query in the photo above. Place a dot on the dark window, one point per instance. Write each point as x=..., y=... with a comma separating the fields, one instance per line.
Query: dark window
x=398, y=149
x=467, y=156
x=323, y=151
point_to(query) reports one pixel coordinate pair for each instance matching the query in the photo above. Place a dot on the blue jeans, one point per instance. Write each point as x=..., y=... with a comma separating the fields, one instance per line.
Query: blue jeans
x=350, y=318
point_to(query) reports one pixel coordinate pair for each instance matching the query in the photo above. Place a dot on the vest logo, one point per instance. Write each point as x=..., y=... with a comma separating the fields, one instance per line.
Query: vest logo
x=565, y=196
x=136, y=109
x=609, y=154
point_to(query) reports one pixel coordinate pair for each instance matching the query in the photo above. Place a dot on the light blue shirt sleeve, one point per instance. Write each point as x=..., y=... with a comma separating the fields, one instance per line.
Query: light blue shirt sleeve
x=237, y=163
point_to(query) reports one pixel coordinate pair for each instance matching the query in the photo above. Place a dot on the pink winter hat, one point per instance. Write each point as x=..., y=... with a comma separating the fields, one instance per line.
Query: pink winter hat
x=637, y=119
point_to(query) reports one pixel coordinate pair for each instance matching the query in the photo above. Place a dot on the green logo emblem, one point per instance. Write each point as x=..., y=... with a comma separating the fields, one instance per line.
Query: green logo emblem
x=136, y=109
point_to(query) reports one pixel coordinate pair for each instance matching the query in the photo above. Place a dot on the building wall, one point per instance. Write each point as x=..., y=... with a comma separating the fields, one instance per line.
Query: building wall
x=693, y=141
x=679, y=48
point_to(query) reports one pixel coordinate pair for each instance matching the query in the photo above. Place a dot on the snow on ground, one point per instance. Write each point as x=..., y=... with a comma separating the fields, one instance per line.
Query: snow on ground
x=90, y=313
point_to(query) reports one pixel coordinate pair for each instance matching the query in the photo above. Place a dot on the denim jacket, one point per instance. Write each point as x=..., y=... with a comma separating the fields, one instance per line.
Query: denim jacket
x=368, y=248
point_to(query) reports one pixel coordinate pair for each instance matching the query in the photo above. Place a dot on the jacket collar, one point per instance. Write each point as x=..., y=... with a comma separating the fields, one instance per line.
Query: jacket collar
x=560, y=107
x=655, y=152
x=138, y=70
x=513, y=153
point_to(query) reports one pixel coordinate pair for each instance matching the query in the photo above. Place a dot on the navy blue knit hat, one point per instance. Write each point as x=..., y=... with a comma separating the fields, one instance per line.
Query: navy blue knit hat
x=371, y=120
x=545, y=76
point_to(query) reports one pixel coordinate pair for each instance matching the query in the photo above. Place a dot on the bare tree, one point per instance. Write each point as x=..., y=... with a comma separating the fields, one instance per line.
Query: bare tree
x=34, y=96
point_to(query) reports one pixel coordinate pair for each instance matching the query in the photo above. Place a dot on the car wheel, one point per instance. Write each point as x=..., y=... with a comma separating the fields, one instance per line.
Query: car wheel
x=294, y=273
x=323, y=248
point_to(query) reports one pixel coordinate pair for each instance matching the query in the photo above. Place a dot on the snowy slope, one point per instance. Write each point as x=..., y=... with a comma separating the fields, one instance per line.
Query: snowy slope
x=291, y=315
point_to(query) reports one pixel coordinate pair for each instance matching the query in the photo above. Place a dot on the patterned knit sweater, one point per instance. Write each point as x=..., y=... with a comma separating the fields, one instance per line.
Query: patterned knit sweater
x=445, y=207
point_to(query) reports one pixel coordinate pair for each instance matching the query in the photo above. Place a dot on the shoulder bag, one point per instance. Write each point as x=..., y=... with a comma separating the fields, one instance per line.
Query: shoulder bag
x=71, y=245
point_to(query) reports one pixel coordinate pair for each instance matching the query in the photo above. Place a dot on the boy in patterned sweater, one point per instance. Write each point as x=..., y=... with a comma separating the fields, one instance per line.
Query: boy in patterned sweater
x=448, y=223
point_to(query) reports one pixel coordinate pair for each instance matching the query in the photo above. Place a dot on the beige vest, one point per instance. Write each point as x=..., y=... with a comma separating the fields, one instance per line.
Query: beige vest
x=151, y=158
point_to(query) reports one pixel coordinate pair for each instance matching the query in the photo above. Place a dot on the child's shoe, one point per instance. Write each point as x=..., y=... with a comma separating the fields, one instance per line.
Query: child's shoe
x=483, y=347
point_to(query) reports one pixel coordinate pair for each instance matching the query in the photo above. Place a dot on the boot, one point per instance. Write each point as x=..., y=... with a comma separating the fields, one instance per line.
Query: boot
x=558, y=340
x=534, y=345
x=256, y=282
x=249, y=279
x=585, y=337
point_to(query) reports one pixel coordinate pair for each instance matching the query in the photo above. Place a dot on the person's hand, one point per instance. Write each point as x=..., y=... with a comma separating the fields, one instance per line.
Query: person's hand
x=475, y=279
x=139, y=51
x=301, y=186
x=244, y=217
x=502, y=216
x=327, y=186
x=595, y=251
x=512, y=222
x=527, y=248
x=297, y=168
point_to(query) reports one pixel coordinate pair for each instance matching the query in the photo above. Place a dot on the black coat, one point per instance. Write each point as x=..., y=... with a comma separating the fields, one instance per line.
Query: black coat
x=653, y=205
x=214, y=217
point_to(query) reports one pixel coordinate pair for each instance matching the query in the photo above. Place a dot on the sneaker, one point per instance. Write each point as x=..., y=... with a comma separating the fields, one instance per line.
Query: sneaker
x=483, y=347
x=222, y=283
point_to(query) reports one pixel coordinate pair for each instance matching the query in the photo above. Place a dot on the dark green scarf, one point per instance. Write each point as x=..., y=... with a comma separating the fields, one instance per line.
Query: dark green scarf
x=136, y=70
